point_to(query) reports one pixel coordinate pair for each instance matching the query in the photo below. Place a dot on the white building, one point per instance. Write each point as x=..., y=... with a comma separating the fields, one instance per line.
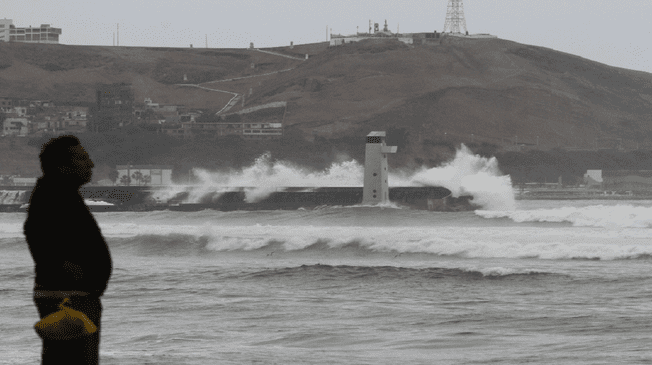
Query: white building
x=16, y=126
x=43, y=34
x=158, y=174
x=593, y=178
x=5, y=27
x=20, y=111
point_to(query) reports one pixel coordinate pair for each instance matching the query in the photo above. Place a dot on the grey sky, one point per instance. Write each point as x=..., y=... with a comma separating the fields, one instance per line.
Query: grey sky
x=615, y=32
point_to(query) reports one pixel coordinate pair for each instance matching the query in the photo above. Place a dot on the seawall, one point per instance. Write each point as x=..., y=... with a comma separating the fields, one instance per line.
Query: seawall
x=139, y=198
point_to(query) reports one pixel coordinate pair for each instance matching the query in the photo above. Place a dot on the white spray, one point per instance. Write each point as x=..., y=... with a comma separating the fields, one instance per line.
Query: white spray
x=466, y=174
x=469, y=174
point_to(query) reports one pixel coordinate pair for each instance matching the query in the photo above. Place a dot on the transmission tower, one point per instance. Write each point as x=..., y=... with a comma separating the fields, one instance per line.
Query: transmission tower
x=455, y=17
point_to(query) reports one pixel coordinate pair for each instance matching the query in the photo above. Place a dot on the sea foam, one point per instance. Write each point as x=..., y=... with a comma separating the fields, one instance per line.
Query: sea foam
x=612, y=217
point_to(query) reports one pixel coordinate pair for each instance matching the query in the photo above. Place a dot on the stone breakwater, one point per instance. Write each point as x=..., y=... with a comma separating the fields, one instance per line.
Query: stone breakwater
x=140, y=198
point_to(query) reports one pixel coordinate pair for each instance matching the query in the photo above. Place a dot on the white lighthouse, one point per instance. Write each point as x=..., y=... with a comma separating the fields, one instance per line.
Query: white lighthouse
x=376, y=189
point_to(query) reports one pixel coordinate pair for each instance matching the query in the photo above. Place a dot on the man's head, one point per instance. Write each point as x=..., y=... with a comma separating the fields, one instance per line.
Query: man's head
x=64, y=158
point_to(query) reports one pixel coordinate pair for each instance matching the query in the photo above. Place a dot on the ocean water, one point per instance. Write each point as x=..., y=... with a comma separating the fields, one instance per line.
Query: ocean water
x=544, y=282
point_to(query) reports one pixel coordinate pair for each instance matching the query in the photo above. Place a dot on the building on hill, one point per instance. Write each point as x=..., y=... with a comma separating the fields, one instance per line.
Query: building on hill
x=20, y=111
x=338, y=39
x=152, y=112
x=43, y=34
x=407, y=38
x=6, y=103
x=15, y=126
x=257, y=122
x=158, y=108
x=38, y=103
x=114, y=107
x=22, y=106
x=384, y=34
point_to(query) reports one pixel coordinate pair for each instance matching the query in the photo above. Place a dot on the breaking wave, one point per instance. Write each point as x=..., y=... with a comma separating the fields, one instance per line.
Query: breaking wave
x=522, y=243
x=465, y=174
x=469, y=174
x=339, y=272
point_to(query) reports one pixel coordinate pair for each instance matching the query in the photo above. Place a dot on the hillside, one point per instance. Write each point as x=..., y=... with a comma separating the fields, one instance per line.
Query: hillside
x=433, y=96
x=65, y=73
x=495, y=89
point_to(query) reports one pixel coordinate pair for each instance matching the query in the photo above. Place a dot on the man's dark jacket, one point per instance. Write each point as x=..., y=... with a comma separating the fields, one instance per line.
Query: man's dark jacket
x=65, y=241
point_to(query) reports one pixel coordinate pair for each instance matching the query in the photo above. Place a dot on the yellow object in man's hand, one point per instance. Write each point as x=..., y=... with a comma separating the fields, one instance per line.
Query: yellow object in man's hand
x=65, y=324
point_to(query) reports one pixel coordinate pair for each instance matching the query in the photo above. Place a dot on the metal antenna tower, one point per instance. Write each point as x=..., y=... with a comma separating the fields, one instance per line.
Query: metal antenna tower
x=455, y=17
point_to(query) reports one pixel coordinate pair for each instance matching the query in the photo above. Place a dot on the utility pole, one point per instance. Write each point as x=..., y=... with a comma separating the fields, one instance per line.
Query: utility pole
x=118, y=34
x=455, y=17
x=206, y=40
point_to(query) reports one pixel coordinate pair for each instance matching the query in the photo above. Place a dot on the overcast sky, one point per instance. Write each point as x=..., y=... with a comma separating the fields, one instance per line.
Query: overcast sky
x=615, y=32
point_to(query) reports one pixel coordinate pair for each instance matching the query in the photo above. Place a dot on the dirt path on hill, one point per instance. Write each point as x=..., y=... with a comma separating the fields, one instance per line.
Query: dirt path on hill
x=247, y=77
x=236, y=97
x=280, y=54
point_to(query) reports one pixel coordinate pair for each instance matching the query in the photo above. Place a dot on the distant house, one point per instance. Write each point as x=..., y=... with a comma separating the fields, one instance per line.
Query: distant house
x=74, y=118
x=6, y=104
x=18, y=110
x=593, y=178
x=158, y=108
x=150, y=104
x=15, y=126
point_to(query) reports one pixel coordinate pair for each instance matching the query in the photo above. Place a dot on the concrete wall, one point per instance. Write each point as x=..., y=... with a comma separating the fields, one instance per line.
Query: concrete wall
x=24, y=181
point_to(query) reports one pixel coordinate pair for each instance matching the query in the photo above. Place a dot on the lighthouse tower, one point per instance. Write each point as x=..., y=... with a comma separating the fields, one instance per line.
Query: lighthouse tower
x=376, y=189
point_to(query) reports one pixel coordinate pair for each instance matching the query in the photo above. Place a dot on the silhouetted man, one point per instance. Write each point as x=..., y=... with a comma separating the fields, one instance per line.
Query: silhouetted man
x=70, y=256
